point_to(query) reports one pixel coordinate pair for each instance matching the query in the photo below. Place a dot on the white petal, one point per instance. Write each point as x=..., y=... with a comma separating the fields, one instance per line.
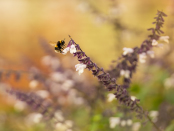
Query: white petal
x=127, y=50
x=136, y=126
x=153, y=113
x=72, y=49
x=77, y=65
x=151, y=53
x=111, y=97
x=123, y=123
x=165, y=38
x=127, y=74
x=20, y=106
x=129, y=122
x=133, y=98
x=83, y=66
x=42, y=93
x=122, y=72
x=168, y=83
x=58, y=115
x=113, y=121
x=33, y=84
x=80, y=68
x=80, y=71
x=61, y=127
x=77, y=68
x=69, y=123
x=154, y=42
x=65, y=50
x=142, y=57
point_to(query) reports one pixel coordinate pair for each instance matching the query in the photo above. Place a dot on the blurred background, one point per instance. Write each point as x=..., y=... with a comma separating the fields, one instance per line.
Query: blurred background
x=102, y=28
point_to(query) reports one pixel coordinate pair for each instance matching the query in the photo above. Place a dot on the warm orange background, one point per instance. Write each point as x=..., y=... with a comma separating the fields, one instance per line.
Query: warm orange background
x=23, y=21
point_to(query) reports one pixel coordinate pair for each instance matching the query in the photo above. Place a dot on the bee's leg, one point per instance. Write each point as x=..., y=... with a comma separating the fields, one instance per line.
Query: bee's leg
x=61, y=51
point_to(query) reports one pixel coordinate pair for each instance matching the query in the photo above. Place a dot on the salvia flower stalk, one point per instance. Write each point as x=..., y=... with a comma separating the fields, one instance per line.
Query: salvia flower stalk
x=125, y=68
x=110, y=83
x=128, y=62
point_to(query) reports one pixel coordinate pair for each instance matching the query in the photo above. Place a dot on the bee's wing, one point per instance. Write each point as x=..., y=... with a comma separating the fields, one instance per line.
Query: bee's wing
x=52, y=43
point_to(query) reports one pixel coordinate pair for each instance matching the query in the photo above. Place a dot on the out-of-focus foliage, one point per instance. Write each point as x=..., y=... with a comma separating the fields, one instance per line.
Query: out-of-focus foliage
x=102, y=28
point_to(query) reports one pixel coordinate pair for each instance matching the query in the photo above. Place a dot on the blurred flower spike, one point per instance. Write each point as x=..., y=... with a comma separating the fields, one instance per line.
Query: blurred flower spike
x=121, y=93
x=126, y=67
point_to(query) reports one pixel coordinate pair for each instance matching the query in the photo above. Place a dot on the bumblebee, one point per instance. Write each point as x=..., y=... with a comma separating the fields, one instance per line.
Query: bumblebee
x=59, y=46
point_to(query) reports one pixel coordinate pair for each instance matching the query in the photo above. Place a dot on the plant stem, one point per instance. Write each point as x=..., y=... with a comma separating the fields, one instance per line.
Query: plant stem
x=150, y=120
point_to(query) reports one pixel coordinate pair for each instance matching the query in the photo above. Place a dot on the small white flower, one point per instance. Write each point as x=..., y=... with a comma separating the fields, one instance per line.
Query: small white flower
x=123, y=123
x=111, y=97
x=153, y=114
x=164, y=38
x=67, y=85
x=113, y=121
x=57, y=77
x=37, y=118
x=42, y=93
x=58, y=115
x=127, y=50
x=142, y=57
x=20, y=106
x=151, y=53
x=80, y=68
x=133, y=98
x=72, y=49
x=61, y=127
x=129, y=122
x=154, y=42
x=168, y=83
x=34, y=118
x=136, y=126
x=69, y=123
x=33, y=84
x=65, y=50
x=125, y=73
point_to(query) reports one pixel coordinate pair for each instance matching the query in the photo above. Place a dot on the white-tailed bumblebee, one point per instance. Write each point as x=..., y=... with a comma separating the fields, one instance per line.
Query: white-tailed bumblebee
x=59, y=46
